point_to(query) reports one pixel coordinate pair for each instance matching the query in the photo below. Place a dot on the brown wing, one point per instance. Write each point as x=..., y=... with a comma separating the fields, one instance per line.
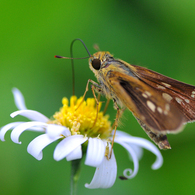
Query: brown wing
x=146, y=103
x=182, y=94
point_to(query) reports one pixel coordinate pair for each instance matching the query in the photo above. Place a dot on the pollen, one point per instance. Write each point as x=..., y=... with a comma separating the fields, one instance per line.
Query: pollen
x=80, y=118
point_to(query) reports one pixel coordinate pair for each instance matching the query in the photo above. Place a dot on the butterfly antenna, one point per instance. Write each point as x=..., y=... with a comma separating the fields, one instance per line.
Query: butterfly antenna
x=72, y=60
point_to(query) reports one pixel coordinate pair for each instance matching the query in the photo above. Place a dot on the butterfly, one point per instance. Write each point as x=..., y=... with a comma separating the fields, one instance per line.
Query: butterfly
x=160, y=104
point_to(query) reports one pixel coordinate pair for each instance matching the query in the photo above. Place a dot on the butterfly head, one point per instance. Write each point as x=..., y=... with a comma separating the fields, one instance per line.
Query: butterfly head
x=98, y=59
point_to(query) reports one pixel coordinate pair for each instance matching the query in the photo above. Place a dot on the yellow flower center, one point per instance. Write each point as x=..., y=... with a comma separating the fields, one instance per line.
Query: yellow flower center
x=80, y=118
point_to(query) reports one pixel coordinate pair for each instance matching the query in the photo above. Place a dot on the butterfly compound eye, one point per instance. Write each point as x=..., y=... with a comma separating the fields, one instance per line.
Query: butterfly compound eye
x=96, y=63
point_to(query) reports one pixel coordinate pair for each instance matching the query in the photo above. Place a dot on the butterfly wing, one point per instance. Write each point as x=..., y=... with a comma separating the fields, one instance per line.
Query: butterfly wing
x=146, y=103
x=180, y=94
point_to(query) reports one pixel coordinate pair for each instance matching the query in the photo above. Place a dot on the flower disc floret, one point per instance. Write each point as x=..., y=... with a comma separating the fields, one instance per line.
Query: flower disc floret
x=80, y=118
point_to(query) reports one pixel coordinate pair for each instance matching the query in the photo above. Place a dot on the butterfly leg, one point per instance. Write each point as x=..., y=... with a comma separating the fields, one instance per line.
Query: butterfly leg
x=106, y=106
x=98, y=88
x=115, y=124
x=159, y=139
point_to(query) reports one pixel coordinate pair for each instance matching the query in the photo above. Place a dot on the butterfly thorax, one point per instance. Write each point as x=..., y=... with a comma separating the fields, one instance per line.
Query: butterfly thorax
x=103, y=64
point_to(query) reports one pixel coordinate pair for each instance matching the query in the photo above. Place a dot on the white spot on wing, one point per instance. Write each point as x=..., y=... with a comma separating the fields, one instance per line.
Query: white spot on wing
x=148, y=93
x=159, y=109
x=167, y=97
x=167, y=107
x=151, y=105
x=160, y=87
x=166, y=84
x=178, y=100
x=144, y=95
x=193, y=94
x=187, y=101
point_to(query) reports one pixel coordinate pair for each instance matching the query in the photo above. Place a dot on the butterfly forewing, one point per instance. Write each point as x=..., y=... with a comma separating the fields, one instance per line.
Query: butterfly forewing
x=146, y=104
x=180, y=94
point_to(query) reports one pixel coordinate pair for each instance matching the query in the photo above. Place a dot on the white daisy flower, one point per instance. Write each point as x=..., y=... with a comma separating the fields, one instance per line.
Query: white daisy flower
x=73, y=126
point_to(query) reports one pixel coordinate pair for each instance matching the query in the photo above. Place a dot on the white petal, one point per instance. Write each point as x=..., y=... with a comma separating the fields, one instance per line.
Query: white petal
x=30, y=114
x=36, y=146
x=132, y=173
x=95, y=152
x=6, y=128
x=19, y=99
x=75, y=154
x=67, y=145
x=105, y=174
x=138, y=151
x=121, y=133
x=54, y=130
x=142, y=143
x=25, y=126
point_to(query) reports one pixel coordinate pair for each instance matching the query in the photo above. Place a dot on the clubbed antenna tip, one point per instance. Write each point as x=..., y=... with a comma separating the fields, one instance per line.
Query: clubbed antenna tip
x=58, y=56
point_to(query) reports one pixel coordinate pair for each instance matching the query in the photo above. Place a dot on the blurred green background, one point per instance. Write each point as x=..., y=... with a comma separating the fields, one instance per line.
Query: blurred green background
x=159, y=35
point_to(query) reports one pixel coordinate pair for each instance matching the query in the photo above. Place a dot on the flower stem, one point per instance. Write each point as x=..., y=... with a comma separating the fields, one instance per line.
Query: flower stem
x=75, y=172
